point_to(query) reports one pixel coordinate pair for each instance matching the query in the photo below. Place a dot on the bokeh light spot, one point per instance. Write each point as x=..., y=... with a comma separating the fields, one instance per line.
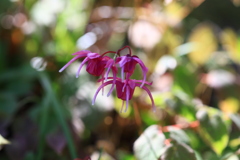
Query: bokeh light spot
x=108, y=120
x=7, y=21
x=38, y=63
x=105, y=11
x=87, y=40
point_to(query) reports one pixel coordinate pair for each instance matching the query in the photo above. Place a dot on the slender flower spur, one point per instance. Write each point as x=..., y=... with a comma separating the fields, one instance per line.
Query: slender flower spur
x=101, y=65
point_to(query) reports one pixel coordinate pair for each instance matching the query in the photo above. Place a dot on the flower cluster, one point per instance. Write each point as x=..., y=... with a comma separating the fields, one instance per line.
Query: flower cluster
x=101, y=65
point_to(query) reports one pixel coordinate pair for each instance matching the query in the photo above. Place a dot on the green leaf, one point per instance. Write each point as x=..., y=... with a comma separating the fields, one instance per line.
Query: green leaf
x=29, y=156
x=180, y=107
x=178, y=151
x=43, y=125
x=198, y=156
x=124, y=155
x=182, y=74
x=149, y=118
x=195, y=141
x=5, y=4
x=213, y=130
x=179, y=135
x=210, y=155
x=230, y=156
x=150, y=145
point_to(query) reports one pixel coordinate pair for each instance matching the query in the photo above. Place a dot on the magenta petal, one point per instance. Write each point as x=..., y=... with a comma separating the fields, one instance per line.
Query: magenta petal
x=99, y=88
x=150, y=95
x=82, y=53
x=123, y=60
x=125, y=84
x=128, y=75
x=140, y=62
x=110, y=63
x=102, y=83
x=144, y=79
x=107, y=73
x=114, y=82
x=127, y=97
x=71, y=61
x=131, y=83
x=93, y=55
x=144, y=70
x=108, y=66
x=80, y=67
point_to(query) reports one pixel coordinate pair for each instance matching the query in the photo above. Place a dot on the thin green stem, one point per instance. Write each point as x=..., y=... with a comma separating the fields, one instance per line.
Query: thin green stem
x=60, y=115
x=43, y=124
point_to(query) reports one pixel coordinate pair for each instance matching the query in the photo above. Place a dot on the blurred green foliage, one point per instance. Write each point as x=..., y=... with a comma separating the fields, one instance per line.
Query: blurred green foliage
x=192, y=50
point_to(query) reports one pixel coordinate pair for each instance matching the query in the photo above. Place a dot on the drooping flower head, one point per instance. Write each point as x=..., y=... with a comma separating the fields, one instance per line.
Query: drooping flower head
x=95, y=62
x=101, y=65
x=128, y=64
x=125, y=90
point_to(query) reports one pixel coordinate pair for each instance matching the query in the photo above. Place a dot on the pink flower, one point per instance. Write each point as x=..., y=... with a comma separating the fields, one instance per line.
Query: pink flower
x=101, y=65
x=128, y=64
x=96, y=62
x=111, y=65
x=125, y=89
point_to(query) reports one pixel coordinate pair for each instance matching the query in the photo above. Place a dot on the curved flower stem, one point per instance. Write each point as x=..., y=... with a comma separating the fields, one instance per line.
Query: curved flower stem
x=130, y=52
x=109, y=52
